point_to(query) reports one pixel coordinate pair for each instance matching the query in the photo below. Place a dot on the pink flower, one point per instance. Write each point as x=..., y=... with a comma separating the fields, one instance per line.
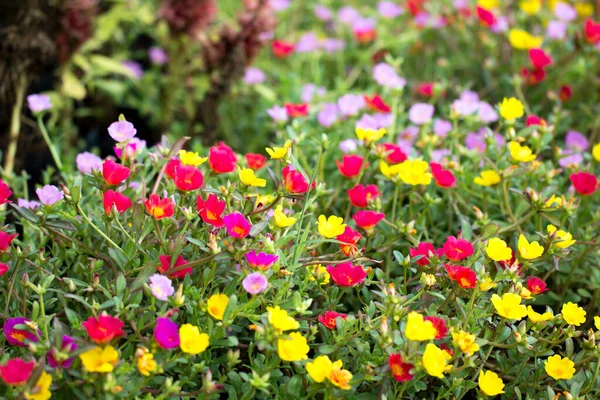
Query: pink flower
x=161, y=287
x=166, y=333
x=255, y=283
x=261, y=260
x=347, y=274
x=237, y=225
x=88, y=162
x=367, y=219
x=39, y=102
x=420, y=113
x=457, y=249
x=426, y=250
x=121, y=130
x=49, y=194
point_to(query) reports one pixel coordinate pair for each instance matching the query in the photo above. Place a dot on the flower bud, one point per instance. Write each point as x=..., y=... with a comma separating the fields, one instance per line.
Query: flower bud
x=383, y=328
x=179, y=298
x=427, y=279
x=72, y=287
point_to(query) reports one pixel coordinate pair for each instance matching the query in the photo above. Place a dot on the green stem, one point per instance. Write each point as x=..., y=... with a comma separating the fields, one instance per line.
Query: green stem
x=15, y=128
x=48, y=141
x=94, y=227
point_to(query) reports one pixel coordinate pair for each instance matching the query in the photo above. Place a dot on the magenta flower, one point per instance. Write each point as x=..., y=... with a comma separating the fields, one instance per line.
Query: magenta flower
x=157, y=56
x=255, y=283
x=261, y=260
x=39, y=102
x=17, y=337
x=49, y=194
x=30, y=204
x=328, y=115
x=87, y=162
x=351, y=104
x=420, y=113
x=133, y=147
x=389, y=9
x=237, y=225
x=278, y=113
x=161, y=287
x=67, y=346
x=323, y=13
x=166, y=333
x=121, y=131
x=254, y=76
x=386, y=76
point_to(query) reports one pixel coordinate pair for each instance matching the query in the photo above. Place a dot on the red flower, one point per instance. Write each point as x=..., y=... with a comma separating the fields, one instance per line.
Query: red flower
x=5, y=192
x=443, y=177
x=165, y=266
x=465, y=277
x=425, y=89
x=171, y=166
x=119, y=200
x=350, y=239
x=584, y=182
x=3, y=268
x=536, y=286
x=447, y=349
x=533, y=76
x=295, y=183
x=592, y=31
x=329, y=318
x=159, y=208
x=439, y=324
x=237, y=225
x=426, y=250
x=222, y=159
x=534, y=120
x=6, y=239
x=211, y=210
x=187, y=178
x=565, y=93
x=350, y=165
x=393, y=153
x=367, y=219
x=457, y=249
x=415, y=7
x=365, y=35
x=539, y=58
x=282, y=49
x=255, y=161
x=513, y=262
x=16, y=371
x=296, y=110
x=400, y=370
x=104, y=328
x=376, y=103
x=361, y=196
x=486, y=17
x=347, y=274
x=113, y=173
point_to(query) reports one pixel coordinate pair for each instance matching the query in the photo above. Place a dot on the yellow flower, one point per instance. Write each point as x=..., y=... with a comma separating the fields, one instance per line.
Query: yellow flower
x=217, y=303
x=413, y=172
x=278, y=153
x=520, y=153
x=488, y=4
x=596, y=152
x=248, y=178
x=294, y=348
x=331, y=227
x=319, y=273
x=191, y=340
x=41, y=390
x=511, y=108
x=418, y=329
x=340, y=377
x=319, y=369
x=522, y=40
x=530, y=7
x=487, y=284
x=264, y=199
x=370, y=135
x=584, y=9
x=465, y=341
x=435, y=361
x=509, y=306
x=145, y=362
x=280, y=320
x=529, y=251
x=191, y=158
x=597, y=322
x=562, y=239
x=389, y=171
x=554, y=202
x=100, y=359
x=428, y=279
x=525, y=293
x=537, y=317
x=490, y=383
x=573, y=314
x=282, y=220
x=497, y=250
x=487, y=178
x=559, y=368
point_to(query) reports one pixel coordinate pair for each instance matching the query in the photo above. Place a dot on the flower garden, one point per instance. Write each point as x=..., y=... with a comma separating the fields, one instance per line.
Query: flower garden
x=302, y=199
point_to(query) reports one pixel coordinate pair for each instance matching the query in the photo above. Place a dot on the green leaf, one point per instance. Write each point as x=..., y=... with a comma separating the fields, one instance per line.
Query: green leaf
x=466, y=229
x=294, y=386
x=105, y=65
x=72, y=87
x=121, y=284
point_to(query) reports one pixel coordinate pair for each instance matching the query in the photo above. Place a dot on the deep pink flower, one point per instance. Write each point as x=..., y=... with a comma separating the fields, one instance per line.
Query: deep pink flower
x=166, y=333
x=443, y=177
x=457, y=249
x=350, y=165
x=16, y=371
x=222, y=159
x=328, y=318
x=347, y=274
x=6, y=239
x=165, y=266
x=367, y=219
x=104, y=328
x=349, y=240
x=295, y=183
x=360, y=196
x=211, y=210
x=5, y=192
x=187, y=178
x=68, y=345
x=261, y=260
x=465, y=277
x=426, y=250
x=237, y=225
x=536, y=286
x=584, y=183
x=113, y=173
x=440, y=326
x=17, y=337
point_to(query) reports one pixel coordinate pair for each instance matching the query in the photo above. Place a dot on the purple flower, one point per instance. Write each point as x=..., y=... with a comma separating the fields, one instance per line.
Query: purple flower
x=49, y=194
x=367, y=122
x=351, y=104
x=17, y=337
x=279, y=5
x=460, y=4
x=331, y=45
x=307, y=43
x=439, y=155
x=575, y=141
x=39, y=102
x=385, y=75
x=501, y=25
x=328, y=115
x=30, y=204
x=254, y=76
x=166, y=333
x=478, y=140
x=466, y=104
x=421, y=113
x=564, y=12
x=410, y=134
x=441, y=127
x=310, y=90
x=87, y=162
x=383, y=120
x=486, y=113
x=133, y=147
x=255, y=283
x=556, y=30
x=56, y=357
x=161, y=287
x=349, y=145
x=135, y=68
x=323, y=13
x=157, y=56
x=121, y=130
x=569, y=158
x=348, y=15
x=389, y=9
x=278, y=113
